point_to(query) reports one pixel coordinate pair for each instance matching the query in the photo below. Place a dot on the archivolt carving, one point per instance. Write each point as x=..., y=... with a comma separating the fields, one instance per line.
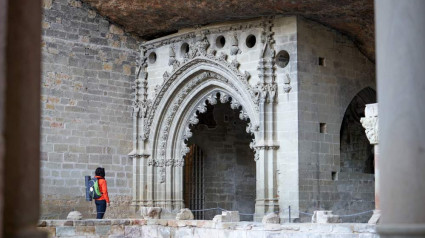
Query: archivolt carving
x=212, y=99
x=200, y=58
x=177, y=102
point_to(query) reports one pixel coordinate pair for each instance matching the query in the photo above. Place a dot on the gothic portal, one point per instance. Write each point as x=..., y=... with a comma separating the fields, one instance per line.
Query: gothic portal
x=286, y=78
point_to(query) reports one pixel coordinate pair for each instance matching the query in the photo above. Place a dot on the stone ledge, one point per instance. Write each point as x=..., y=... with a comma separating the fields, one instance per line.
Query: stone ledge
x=342, y=228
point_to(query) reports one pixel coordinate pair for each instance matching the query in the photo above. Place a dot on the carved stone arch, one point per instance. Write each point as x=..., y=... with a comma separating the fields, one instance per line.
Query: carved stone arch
x=195, y=102
x=189, y=99
x=197, y=72
x=205, y=94
x=184, y=74
x=162, y=129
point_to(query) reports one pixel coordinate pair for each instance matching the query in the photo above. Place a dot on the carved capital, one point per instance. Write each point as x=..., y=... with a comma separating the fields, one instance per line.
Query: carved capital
x=370, y=123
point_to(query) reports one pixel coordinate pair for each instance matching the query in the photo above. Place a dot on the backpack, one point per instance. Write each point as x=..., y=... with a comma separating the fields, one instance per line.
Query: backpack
x=94, y=190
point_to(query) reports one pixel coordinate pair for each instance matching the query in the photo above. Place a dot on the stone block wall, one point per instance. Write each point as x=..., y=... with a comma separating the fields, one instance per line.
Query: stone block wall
x=88, y=68
x=229, y=167
x=331, y=71
x=285, y=35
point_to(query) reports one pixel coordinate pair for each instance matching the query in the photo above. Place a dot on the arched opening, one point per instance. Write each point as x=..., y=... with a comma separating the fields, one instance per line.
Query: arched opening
x=220, y=167
x=355, y=180
x=356, y=150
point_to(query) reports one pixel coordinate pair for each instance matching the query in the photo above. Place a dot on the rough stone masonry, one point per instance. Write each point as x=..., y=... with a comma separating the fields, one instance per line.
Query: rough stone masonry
x=88, y=67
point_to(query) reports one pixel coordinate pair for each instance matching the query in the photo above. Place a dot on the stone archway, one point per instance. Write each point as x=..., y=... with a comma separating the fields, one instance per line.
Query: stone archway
x=356, y=161
x=225, y=176
x=162, y=125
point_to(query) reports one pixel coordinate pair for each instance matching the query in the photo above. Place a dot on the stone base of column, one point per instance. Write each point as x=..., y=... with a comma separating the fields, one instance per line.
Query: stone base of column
x=375, y=217
x=401, y=230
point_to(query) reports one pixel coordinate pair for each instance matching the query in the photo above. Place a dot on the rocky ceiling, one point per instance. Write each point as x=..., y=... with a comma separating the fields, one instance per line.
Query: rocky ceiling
x=154, y=18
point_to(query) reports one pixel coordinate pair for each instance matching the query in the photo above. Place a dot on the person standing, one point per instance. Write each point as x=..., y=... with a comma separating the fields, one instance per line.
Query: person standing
x=104, y=199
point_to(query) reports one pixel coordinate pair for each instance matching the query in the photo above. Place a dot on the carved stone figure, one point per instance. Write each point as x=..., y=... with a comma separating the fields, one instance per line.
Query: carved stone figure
x=287, y=84
x=234, y=48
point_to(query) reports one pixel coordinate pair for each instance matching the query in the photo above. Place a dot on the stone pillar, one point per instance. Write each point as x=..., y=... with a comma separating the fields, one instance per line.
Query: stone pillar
x=21, y=117
x=3, y=28
x=400, y=35
x=370, y=123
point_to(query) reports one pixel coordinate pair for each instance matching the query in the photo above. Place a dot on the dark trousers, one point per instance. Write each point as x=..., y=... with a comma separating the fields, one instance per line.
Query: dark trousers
x=100, y=208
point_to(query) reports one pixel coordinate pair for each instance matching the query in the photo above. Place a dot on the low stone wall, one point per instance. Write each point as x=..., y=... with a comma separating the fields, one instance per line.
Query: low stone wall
x=200, y=229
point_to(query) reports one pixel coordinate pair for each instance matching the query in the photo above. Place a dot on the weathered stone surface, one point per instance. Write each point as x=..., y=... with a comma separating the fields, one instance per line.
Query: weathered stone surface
x=184, y=214
x=325, y=217
x=150, y=212
x=271, y=218
x=226, y=229
x=227, y=216
x=354, y=18
x=74, y=215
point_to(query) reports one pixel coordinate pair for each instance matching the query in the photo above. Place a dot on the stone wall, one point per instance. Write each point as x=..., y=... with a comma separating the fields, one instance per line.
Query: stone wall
x=88, y=67
x=229, y=162
x=287, y=174
x=198, y=229
x=331, y=71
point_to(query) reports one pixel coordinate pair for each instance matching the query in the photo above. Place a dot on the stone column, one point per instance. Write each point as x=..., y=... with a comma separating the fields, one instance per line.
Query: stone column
x=370, y=123
x=400, y=35
x=3, y=28
x=21, y=117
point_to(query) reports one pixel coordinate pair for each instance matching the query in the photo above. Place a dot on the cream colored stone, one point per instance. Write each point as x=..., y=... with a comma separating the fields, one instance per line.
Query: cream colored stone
x=74, y=215
x=227, y=216
x=271, y=218
x=184, y=214
x=150, y=212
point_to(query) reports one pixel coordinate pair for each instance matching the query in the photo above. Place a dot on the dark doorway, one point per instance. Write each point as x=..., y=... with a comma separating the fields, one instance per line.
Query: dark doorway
x=220, y=167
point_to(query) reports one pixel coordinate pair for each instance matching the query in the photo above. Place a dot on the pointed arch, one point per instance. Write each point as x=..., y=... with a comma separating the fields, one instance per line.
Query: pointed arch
x=185, y=92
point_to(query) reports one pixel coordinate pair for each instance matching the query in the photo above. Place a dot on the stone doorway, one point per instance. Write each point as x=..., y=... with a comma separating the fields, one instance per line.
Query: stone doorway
x=228, y=167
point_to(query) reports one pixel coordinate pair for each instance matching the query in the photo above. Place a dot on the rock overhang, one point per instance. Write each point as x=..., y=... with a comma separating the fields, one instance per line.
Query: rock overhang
x=152, y=19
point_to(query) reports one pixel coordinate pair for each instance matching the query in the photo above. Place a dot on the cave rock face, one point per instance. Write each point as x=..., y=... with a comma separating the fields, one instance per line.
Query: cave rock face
x=146, y=18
